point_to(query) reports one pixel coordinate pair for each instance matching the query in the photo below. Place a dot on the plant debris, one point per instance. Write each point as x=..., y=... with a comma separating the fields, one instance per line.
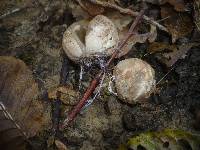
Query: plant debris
x=19, y=94
x=197, y=13
x=179, y=5
x=43, y=85
x=67, y=95
x=171, y=53
x=179, y=25
x=60, y=145
x=168, y=138
x=91, y=8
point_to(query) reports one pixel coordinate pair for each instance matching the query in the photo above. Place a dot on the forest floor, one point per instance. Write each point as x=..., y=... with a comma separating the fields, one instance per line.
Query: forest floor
x=34, y=34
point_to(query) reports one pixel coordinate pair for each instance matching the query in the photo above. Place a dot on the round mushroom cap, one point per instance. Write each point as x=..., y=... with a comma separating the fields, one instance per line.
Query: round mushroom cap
x=85, y=39
x=73, y=40
x=134, y=80
x=101, y=36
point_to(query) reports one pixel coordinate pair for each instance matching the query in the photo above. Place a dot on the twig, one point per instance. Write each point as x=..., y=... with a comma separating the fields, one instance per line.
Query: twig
x=90, y=101
x=10, y=12
x=129, y=12
x=97, y=79
x=9, y=116
x=16, y=10
x=165, y=75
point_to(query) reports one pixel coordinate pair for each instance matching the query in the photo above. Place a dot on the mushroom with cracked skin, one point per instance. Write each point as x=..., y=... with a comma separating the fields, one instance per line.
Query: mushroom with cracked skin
x=85, y=39
x=134, y=80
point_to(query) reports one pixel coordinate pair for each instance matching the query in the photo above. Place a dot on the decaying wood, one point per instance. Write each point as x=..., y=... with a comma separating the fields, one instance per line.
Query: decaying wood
x=97, y=79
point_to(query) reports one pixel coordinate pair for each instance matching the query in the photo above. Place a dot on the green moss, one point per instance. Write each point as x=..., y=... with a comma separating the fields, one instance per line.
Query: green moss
x=156, y=140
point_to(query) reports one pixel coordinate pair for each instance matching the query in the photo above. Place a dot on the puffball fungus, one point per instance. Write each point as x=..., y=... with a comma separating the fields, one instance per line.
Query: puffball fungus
x=134, y=80
x=95, y=38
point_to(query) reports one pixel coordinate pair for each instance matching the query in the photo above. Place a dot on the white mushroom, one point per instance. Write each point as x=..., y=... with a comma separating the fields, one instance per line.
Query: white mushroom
x=101, y=36
x=134, y=80
x=73, y=39
x=85, y=39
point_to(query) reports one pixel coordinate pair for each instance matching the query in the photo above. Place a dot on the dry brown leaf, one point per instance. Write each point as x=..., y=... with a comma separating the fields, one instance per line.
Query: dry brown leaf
x=67, y=95
x=178, y=24
x=18, y=92
x=137, y=38
x=197, y=13
x=10, y=131
x=121, y=21
x=91, y=8
x=161, y=47
x=76, y=10
x=179, y=5
x=152, y=34
x=171, y=53
x=171, y=58
x=60, y=145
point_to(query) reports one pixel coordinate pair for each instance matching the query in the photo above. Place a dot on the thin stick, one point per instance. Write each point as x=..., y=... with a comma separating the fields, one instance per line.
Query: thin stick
x=129, y=12
x=8, y=116
x=96, y=80
x=10, y=12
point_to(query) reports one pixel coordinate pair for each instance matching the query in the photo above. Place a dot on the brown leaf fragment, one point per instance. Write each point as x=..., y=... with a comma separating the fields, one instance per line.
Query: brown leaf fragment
x=18, y=92
x=137, y=38
x=179, y=5
x=173, y=57
x=10, y=131
x=127, y=11
x=67, y=95
x=91, y=8
x=197, y=13
x=178, y=24
x=77, y=11
x=170, y=53
x=161, y=47
x=121, y=21
x=60, y=145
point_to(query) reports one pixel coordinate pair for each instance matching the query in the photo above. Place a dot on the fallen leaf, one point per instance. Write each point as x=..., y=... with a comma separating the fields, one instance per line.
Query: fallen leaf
x=121, y=21
x=161, y=47
x=179, y=5
x=152, y=34
x=137, y=38
x=91, y=8
x=60, y=145
x=10, y=131
x=197, y=13
x=67, y=95
x=76, y=10
x=170, y=53
x=178, y=24
x=18, y=92
x=171, y=58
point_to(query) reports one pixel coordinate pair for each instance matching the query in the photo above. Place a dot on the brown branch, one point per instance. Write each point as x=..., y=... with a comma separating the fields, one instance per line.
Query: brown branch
x=129, y=12
x=96, y=80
